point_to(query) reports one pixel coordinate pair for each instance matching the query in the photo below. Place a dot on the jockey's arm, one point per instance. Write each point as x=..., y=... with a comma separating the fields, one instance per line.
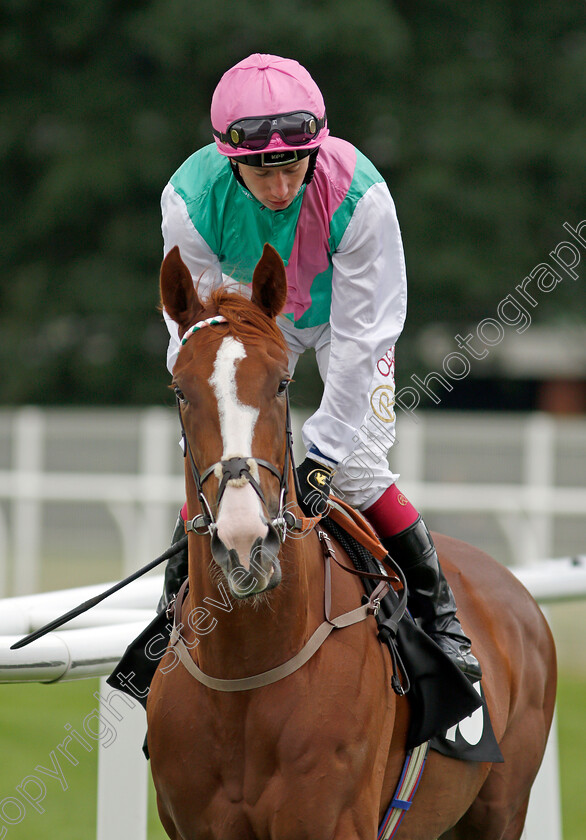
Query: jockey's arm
x=369, y=299
x=178, y=229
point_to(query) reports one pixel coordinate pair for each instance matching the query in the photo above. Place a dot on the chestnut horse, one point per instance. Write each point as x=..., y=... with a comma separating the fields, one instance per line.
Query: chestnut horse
x=316, y=755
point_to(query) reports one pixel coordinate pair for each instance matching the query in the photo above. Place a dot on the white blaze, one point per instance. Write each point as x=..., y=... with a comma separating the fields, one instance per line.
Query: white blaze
x=239, y=518
x=237, y=420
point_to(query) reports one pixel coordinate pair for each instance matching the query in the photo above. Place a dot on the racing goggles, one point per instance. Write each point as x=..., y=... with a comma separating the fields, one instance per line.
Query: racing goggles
x=254, y=133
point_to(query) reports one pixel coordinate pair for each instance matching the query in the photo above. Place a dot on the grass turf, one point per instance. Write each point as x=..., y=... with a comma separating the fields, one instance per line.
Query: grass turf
x=34, y=720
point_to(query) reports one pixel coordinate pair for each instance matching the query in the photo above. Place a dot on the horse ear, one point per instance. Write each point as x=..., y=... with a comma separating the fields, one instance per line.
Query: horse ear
x=178, y=294
x=269, y=282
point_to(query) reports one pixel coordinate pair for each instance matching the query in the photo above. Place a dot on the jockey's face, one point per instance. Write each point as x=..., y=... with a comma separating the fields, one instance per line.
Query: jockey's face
x=275, y=186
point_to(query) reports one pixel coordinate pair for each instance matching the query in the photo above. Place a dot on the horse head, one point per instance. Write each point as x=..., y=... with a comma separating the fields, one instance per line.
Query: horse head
x=231, y=384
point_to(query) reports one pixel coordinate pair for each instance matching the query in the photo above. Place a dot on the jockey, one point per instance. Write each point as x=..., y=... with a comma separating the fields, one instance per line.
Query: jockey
x=275, y=174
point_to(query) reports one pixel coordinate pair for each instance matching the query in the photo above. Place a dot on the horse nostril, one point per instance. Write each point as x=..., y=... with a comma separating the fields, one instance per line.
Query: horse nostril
x=260, y=571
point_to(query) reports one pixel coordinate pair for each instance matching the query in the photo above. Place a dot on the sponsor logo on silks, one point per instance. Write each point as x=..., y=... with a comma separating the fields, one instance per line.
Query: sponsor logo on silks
x=386, y=363
x=382, y=401
x=318, y=479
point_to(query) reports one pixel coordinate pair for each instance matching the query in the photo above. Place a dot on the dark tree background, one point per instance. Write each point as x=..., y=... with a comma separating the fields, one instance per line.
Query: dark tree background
x=473, y=112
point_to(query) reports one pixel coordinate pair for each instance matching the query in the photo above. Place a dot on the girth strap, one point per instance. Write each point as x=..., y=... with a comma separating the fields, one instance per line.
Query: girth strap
x=405, y=791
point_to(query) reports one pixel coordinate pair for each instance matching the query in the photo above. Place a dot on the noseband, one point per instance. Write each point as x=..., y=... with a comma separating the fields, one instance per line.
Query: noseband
x=236, y=469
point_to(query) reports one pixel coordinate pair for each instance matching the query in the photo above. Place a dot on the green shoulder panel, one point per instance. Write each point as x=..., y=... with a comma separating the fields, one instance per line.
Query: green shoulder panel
x=205, y=183
x=236, y=226
x=231, y=221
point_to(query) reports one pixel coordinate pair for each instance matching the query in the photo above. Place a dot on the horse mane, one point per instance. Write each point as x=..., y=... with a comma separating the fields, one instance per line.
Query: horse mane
x=244, y=318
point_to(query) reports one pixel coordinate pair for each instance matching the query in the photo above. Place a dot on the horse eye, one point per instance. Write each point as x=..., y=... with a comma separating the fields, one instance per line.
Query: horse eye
x=179, y=394
x=283, y=384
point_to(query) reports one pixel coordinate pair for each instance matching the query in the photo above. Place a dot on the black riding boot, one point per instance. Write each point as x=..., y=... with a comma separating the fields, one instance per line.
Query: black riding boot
x=430, y=597
x=175, y=570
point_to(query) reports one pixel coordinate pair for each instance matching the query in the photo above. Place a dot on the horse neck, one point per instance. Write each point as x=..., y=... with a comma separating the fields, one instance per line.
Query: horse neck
x=239, y=638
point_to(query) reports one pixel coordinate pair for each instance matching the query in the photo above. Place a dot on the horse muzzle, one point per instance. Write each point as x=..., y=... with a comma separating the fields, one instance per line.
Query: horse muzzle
x=262, y=571
x=244, y=543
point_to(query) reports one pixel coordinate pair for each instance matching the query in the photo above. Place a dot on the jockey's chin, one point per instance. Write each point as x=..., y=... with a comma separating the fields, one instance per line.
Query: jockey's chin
x=274, y=186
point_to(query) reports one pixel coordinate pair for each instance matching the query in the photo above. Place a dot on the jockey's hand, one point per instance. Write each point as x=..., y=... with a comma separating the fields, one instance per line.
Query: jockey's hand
x=315, y=482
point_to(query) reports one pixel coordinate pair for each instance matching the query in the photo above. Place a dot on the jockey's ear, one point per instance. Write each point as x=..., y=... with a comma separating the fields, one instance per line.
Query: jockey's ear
x=178, y=295
x=269, y=282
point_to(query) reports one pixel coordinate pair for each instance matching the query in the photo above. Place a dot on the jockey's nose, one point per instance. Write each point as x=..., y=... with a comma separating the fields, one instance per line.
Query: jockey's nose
x=280, y=186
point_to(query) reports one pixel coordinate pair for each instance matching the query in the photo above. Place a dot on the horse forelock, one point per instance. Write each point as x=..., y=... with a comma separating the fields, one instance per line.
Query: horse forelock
x=246, y=322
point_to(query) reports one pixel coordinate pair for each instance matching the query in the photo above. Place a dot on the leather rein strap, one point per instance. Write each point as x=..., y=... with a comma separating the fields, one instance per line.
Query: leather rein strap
x=354, y=616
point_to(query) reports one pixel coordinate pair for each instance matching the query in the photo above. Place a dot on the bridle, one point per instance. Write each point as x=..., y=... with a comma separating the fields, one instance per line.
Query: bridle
x=237, y=468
